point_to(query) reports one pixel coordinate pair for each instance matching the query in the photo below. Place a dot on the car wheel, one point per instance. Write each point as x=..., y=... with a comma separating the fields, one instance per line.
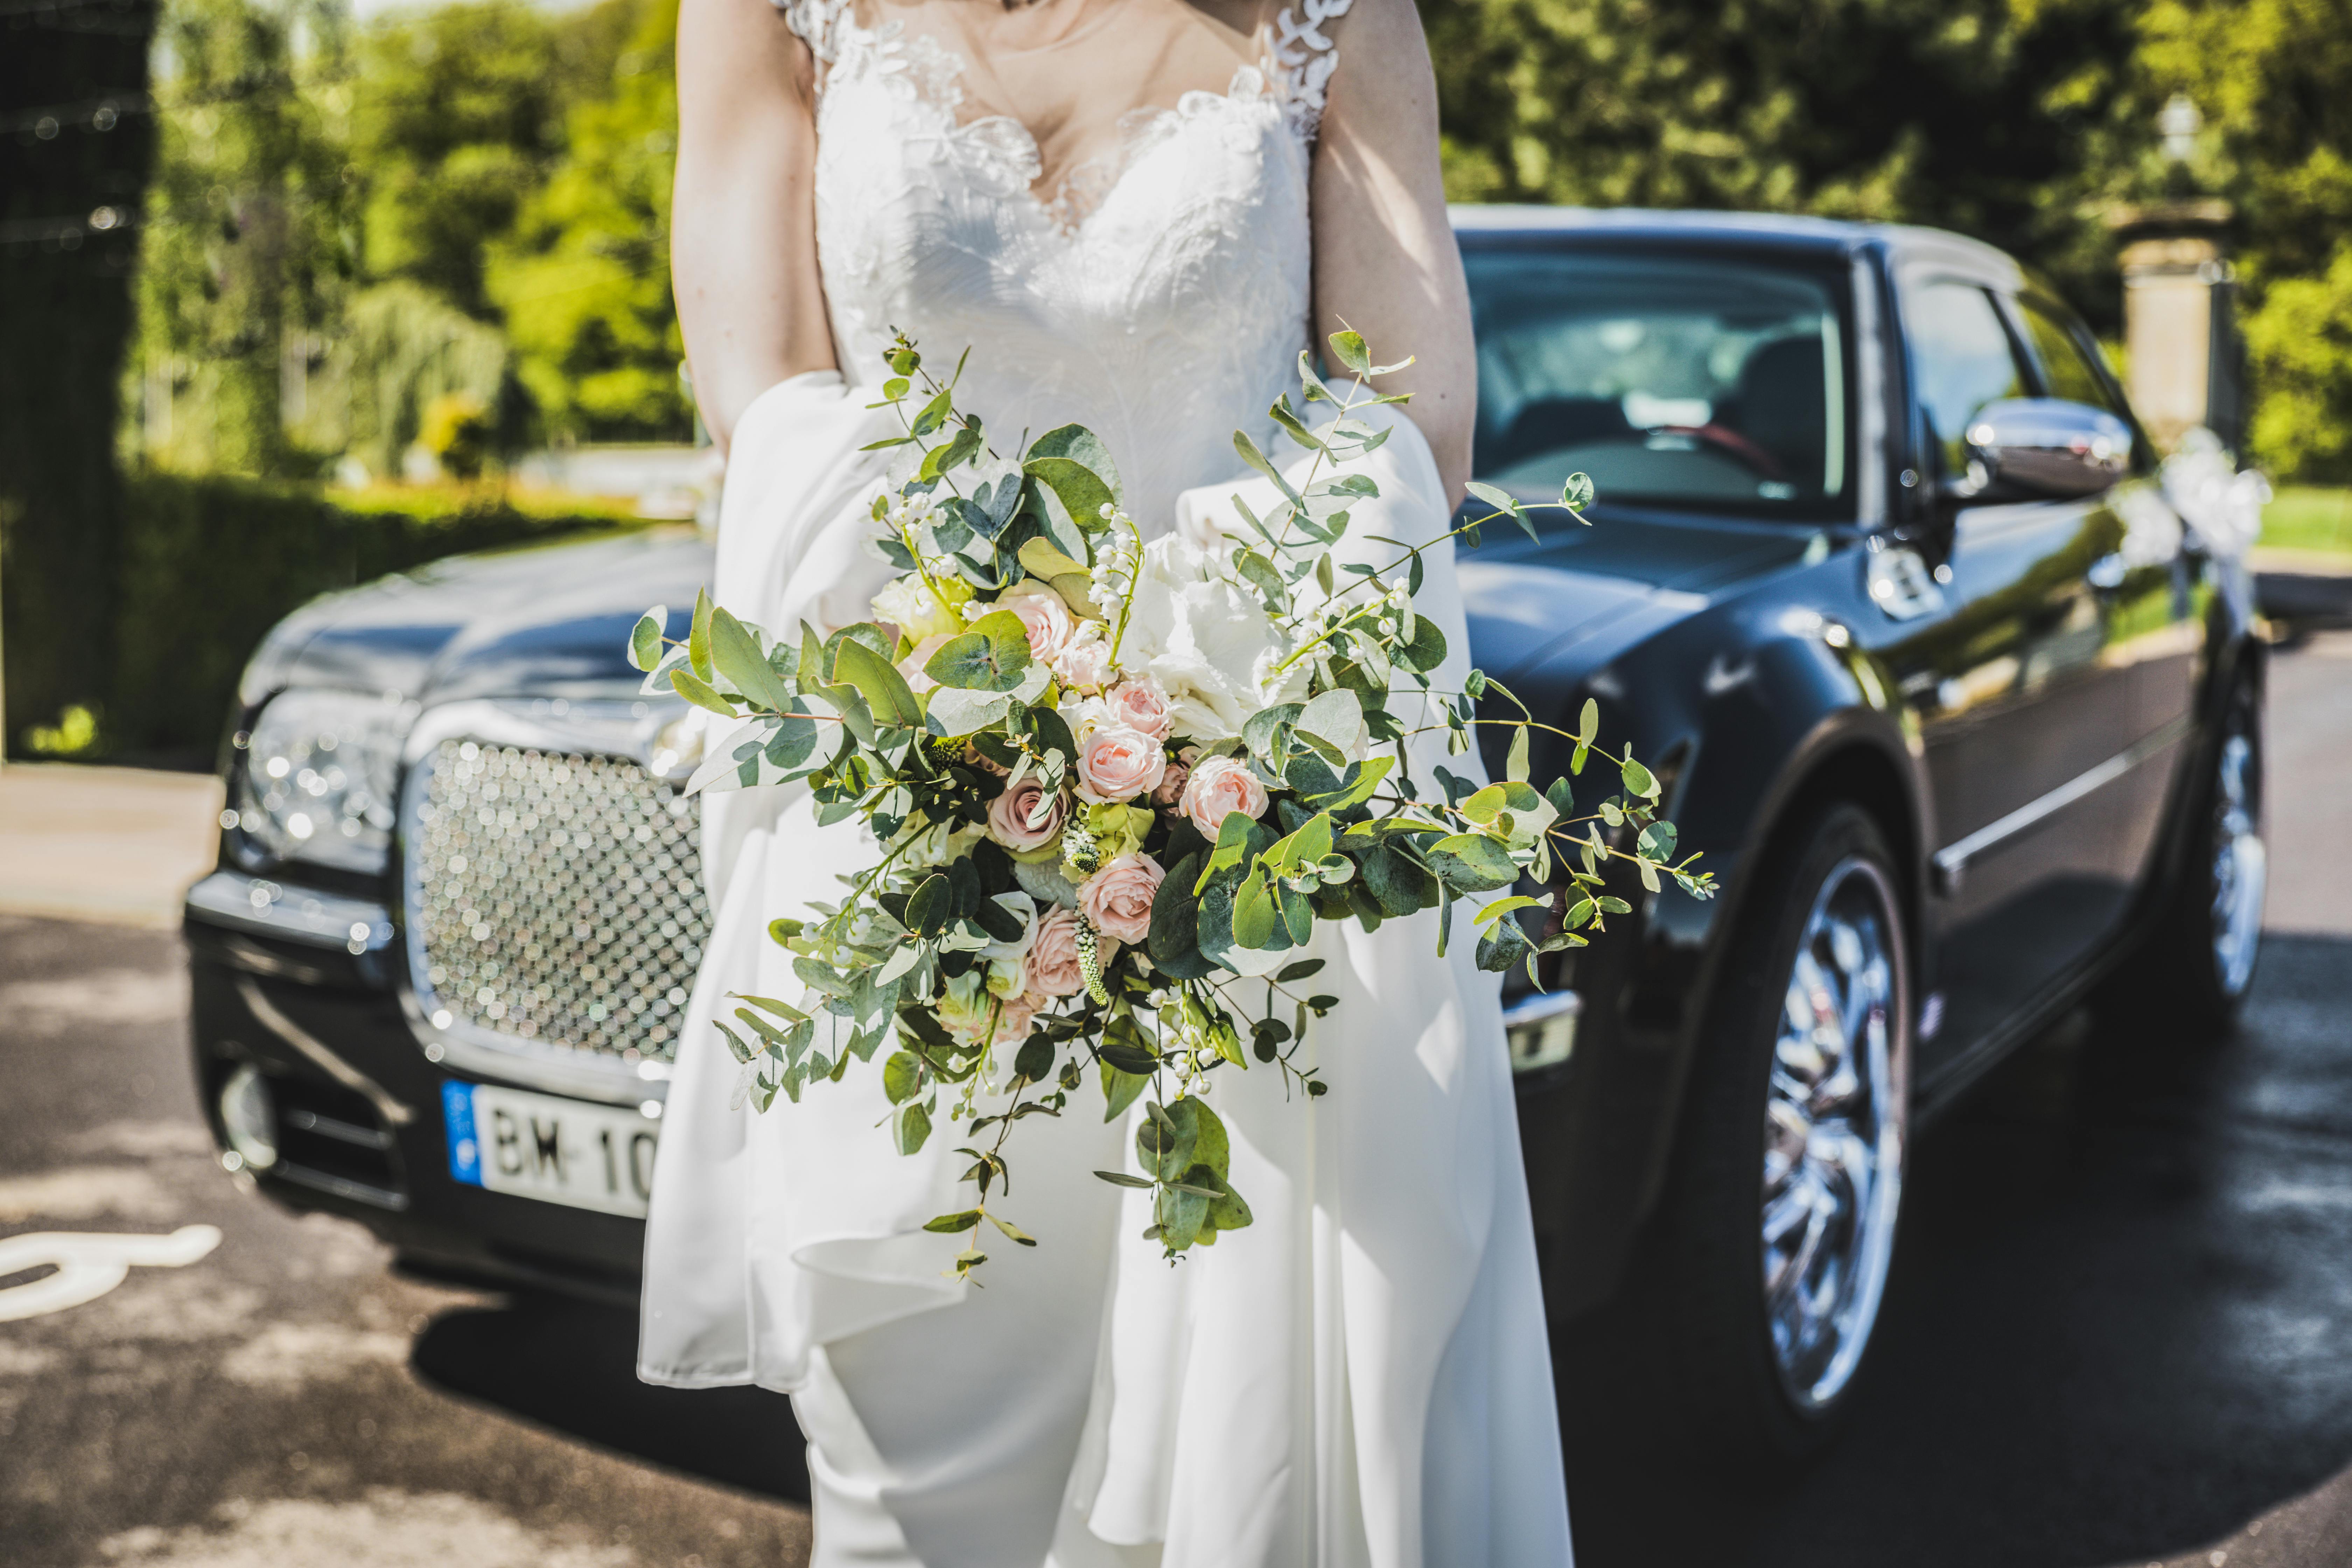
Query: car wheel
x=1779, y=1223
x=2191, y=975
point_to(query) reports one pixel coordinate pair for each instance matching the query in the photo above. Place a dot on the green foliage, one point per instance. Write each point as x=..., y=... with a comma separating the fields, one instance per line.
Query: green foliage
x=584, y=279
x=2020, y=121
x=2309, y=518
x=2299, y=347
x=324, y=223
x=457, y=430
x=457, y=120
x=1976, y=115
x=2273, y=81
x=403, y=348
x=243, y=246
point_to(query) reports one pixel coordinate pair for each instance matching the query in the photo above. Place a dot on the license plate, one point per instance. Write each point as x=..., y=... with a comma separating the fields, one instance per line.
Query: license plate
x=540, y=1146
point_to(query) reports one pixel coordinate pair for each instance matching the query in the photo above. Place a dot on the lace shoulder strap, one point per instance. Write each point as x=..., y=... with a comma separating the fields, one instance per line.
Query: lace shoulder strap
x=818, y=23
x=1305, y=56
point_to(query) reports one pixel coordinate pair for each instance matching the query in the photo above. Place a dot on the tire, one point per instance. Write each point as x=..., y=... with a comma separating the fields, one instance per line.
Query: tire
x=2190, y=974
x=1789, y=1171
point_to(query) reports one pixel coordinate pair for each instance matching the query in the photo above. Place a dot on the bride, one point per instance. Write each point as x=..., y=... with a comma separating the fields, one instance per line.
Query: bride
x=1132, y=213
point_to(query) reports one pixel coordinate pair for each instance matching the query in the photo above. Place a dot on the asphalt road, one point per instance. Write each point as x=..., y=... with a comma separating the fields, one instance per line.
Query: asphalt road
x=2120, y=1331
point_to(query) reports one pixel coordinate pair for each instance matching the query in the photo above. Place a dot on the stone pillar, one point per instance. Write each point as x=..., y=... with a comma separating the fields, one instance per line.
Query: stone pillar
x=2179, y=340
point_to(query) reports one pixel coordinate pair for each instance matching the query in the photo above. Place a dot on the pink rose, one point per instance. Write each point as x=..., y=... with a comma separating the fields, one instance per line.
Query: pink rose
x=1171, y=783
x=1084, y=665
x=1013, y=1016
x=1118, y=897
x=1141, y=705
x=1013, y=1022
x=1053, y=956
x=1219, y=785
x=1044, y=615
x=1119, y=762
x=911, y=667
x=1009, y=814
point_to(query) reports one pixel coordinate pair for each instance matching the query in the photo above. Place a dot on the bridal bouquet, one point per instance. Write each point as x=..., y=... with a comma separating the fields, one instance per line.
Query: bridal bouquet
x=1113, y=782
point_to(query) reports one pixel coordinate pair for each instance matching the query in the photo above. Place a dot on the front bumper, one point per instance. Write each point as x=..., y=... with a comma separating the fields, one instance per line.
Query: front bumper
x=304, y=986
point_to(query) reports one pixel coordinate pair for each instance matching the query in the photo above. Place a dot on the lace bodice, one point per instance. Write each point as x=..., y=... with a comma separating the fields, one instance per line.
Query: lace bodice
x=1158, y=292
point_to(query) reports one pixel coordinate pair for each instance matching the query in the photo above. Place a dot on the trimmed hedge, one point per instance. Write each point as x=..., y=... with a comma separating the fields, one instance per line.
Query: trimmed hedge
x=209, y=564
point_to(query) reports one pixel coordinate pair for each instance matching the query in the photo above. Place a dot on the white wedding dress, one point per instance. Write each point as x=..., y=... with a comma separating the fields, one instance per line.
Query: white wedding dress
x=1360, y=1379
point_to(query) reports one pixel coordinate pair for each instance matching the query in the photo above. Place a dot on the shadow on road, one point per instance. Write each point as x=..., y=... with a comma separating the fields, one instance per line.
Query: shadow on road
x=2117, y=1326
x=570, y=1366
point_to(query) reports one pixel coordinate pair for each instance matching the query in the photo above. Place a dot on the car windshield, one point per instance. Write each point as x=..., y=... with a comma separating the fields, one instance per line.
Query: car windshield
x=1670, y=380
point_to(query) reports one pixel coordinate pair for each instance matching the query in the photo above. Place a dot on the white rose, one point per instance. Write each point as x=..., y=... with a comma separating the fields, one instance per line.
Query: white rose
x=1203, y=640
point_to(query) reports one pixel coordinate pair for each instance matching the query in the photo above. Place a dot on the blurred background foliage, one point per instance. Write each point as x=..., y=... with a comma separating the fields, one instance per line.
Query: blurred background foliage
x=397, y=254
x=2023, y=122
x=350, y=225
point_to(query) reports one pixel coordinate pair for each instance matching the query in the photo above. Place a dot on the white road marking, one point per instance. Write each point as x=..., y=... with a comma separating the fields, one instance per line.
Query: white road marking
x=88, y=1265
x=86, y=1192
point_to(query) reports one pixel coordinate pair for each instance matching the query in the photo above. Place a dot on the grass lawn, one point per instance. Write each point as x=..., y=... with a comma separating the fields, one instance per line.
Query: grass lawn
x=2309, y=517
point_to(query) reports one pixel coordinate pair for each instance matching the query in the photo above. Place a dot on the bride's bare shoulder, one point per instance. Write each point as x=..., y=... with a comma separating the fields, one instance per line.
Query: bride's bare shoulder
x=1374, y=36
x=741, y=54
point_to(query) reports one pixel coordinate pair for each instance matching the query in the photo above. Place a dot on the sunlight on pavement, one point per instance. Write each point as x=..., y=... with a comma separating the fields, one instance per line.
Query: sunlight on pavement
x=386, y=1528
x=119, y=845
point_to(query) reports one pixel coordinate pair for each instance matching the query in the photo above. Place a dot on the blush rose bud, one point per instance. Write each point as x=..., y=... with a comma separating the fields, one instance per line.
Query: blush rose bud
x=1218, y=786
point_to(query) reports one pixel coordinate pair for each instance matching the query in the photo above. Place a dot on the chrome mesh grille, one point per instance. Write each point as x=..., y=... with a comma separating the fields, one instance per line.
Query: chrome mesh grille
x=556, y=899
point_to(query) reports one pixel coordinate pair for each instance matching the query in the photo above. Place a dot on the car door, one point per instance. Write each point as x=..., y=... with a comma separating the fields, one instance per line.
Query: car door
x=2153, y=600
x=2003, y=682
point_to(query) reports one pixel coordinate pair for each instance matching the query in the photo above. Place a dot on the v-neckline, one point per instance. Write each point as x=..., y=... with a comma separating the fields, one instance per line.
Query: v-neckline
x=892, y=39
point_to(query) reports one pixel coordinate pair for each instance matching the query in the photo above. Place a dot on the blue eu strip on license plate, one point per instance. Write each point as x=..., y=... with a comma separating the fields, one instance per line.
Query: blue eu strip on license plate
x=465, y=1149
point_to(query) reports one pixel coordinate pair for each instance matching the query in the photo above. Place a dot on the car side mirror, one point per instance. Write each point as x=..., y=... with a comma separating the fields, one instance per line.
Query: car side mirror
x=2042, y=448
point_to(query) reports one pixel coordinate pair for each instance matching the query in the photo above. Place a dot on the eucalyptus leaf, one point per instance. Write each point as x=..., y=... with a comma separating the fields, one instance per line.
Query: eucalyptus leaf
x=991, y=656
x=1426, y=651
x=887, y=694
x=646, y=639
x=1072, y=461
x=697, y=639
x=739, y=658
x=700, y=692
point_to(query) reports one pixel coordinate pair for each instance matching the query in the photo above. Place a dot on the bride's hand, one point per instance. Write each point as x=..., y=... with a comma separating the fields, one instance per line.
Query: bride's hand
x=1385, y=259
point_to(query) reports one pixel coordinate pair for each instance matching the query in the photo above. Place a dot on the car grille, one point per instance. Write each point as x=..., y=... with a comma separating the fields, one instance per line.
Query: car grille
x=555, y=898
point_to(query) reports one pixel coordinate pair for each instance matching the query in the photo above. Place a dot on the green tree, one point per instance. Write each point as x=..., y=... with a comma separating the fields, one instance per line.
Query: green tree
x=2273, y=81
x=1977, y=115
x=585, y=279
x=242, y=253
x=458, y=118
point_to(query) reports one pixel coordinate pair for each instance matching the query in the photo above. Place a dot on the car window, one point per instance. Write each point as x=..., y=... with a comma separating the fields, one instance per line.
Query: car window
x=1962, y=357
x=1672, y=380
x=2066, y=370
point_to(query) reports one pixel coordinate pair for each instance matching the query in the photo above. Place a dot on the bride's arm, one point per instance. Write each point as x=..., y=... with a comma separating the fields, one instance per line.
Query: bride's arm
x=1385, y=261
x=743, y=213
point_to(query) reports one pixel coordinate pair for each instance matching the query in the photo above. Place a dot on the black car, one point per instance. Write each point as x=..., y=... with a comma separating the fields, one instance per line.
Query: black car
x=1883, y=582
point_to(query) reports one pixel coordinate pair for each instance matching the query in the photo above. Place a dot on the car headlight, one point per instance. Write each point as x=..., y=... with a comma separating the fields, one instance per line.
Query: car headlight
x=320, y=769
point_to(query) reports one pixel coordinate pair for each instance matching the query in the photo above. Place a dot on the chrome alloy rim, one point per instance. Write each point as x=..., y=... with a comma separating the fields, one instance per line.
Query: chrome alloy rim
x=2241, y=868
x=1834, y=1123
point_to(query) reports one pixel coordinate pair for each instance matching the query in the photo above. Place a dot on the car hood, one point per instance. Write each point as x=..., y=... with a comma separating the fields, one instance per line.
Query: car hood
x=1628, y=573
x=544, y=620
x=554, y=620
